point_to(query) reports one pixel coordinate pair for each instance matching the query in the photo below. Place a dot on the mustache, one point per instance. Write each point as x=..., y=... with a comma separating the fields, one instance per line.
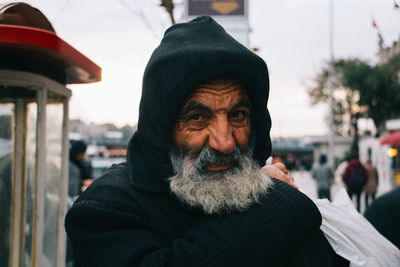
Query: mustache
x=208, y=156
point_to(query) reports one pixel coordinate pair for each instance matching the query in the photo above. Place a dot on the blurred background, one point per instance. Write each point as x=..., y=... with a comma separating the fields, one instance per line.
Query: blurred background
x=334, y=98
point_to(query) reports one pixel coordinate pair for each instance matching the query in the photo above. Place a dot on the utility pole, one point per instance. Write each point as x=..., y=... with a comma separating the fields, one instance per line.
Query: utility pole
x=331, y=137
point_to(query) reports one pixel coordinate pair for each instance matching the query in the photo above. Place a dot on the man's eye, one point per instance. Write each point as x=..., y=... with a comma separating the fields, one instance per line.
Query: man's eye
x=238, y=117
x=196, y=117
x=198, y=121
x=239, y=114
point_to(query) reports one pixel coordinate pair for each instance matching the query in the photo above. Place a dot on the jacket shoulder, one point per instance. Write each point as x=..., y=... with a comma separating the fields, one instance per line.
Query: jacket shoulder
x=315, y=250
x=112, y=189
x=301, y=205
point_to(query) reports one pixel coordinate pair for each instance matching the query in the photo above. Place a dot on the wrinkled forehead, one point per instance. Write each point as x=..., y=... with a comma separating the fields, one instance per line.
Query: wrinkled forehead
x=221, y=84
x=219, y=87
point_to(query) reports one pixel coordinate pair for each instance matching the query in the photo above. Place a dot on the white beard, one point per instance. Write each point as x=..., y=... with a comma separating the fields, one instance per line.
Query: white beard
x=218, y=192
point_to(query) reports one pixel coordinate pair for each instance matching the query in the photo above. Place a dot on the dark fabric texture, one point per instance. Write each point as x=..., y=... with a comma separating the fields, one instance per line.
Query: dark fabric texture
x=128, y=217
x=384, y=215
x=113, y=224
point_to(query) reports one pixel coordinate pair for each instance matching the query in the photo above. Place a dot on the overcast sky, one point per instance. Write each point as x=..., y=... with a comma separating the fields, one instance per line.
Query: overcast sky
x=292, y=37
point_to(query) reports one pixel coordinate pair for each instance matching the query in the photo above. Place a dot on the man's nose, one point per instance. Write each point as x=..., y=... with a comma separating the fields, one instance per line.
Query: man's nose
x=221, y=135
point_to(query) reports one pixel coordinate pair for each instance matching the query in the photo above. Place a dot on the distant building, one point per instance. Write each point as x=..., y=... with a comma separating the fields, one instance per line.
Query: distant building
x=390, y=55
x=387, y=53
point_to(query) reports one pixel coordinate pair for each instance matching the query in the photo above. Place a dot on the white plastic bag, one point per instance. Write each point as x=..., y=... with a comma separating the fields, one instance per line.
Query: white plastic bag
x=352, y=236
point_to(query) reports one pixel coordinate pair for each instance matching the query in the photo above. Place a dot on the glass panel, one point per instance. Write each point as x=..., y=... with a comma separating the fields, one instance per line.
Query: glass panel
x=31, y=159
x=6, y=154
x=53, y=183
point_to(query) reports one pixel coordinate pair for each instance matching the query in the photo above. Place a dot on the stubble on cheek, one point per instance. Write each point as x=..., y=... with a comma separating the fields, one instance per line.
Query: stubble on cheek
x=195, y=145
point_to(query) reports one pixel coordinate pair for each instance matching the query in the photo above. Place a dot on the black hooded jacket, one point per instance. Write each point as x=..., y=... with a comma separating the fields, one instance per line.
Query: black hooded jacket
x=128, y=217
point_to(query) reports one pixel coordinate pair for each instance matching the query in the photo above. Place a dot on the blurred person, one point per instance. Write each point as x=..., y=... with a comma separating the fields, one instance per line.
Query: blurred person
x=355, y=178
x=5, y=206
x=6, y=187
x=323, y=174
x=79, y=180
x=307, y=163
x=290, y=162
x=192, y=192
x=79, y=173
x=384, y=215
x=371, y=186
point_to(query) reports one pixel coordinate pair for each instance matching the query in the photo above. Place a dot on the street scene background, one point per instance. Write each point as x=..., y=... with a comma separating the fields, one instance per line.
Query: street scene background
x=334, y=72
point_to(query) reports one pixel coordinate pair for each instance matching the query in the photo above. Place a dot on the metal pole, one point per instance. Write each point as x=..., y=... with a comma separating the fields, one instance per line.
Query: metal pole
x=61, y=253
x=331, y=140
x=40, y=180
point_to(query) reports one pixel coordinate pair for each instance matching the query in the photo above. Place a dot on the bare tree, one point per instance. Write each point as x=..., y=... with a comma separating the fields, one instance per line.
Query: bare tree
x=169, y=7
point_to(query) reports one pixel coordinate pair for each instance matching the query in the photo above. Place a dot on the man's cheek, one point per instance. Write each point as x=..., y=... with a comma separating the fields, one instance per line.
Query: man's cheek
x=242, y=136
x=195, y=141
x=190, y=150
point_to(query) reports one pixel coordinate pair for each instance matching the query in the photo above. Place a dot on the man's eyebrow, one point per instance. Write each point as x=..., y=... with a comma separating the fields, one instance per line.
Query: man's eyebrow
x=193, y=105
x=242, y=103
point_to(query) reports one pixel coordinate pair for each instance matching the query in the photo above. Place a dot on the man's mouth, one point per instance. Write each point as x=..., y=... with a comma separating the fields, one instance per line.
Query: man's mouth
x=215, y=167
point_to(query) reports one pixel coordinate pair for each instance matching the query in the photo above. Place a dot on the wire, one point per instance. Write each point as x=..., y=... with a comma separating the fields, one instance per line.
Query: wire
x=141, y=15
x=61, y=10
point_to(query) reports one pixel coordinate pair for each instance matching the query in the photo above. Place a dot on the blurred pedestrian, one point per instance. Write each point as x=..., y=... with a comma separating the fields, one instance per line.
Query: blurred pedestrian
x=323, y=174
x=5, y=205
x=79, y=173
x=79, y=179
x=355, y=178
x=307, y=162
x=384, y=215
x=290, y=162
x=372, y=182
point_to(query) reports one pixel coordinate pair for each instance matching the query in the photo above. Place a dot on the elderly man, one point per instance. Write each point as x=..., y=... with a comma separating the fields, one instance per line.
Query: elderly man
x=192, y=192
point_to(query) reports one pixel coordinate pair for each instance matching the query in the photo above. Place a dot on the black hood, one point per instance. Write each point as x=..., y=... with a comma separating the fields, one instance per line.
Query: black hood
x=190, y=54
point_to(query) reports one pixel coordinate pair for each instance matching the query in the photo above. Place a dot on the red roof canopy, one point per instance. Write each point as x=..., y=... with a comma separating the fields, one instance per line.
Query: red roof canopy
x=28, y=42
x=47, y=48
x=392, y=138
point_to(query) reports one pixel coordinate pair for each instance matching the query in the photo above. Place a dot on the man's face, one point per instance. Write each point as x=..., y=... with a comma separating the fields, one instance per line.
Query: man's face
x=213, y=164
x=216, y=115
